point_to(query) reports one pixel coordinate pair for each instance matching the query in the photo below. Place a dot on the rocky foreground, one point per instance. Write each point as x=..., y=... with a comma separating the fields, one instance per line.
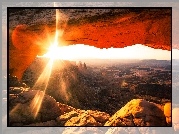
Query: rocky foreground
x=27, y=111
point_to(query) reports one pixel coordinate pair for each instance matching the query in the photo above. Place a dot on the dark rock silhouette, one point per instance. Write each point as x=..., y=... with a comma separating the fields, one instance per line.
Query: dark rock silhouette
x=33, y=106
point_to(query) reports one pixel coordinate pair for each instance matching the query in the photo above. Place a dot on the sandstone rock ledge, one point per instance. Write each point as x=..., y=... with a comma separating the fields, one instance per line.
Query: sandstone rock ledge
x=83, y=118
x=137, y=112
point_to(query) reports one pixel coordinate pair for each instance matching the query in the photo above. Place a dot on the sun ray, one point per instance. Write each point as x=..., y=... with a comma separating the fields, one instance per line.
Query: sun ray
x=41, y=84
x=42, y=81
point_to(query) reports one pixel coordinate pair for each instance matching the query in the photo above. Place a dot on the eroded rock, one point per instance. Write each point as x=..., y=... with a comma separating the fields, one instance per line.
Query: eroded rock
x=119, y=30
x=138, y=112
x=83, y=118
x=65, y=108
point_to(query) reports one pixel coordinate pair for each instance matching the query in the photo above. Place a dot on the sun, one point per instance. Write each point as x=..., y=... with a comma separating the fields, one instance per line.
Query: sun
x=53, y=52
x=61, y=52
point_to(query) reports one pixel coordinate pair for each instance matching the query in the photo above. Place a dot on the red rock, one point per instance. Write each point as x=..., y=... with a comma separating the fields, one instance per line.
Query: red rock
x=150, y=28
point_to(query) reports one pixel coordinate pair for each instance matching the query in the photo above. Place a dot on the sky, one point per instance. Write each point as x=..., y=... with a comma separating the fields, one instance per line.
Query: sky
x=138, y=51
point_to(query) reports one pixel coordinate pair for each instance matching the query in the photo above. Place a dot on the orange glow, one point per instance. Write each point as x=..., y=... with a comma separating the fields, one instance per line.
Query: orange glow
x=30, y=41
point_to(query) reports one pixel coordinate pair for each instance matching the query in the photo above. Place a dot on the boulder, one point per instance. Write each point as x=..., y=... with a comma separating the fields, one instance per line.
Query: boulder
x=138, y=112
x=32, y=107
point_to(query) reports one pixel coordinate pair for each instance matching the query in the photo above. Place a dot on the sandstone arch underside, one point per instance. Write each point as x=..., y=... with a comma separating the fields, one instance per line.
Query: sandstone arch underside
x=117, y=28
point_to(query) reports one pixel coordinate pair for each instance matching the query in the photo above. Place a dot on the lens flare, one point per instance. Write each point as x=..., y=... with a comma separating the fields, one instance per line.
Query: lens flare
x=14, y=109
x=43, y=80
x=36, y=103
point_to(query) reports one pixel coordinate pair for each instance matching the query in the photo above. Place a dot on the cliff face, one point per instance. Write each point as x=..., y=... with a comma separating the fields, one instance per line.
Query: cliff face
x=29, y=34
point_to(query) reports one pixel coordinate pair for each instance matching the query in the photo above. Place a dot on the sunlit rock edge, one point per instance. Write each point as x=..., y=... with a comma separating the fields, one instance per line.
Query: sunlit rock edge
x=137, y=112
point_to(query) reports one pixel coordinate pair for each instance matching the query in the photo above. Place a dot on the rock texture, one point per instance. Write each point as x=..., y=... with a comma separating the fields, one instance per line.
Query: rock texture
x=65, y=108
x=51, y=113
x=83, y=118
x=138, y=112
x=30, y=34
x=31, y=107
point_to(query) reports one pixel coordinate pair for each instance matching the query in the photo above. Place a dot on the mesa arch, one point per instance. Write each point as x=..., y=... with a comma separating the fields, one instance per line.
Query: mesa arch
x=150, y=27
